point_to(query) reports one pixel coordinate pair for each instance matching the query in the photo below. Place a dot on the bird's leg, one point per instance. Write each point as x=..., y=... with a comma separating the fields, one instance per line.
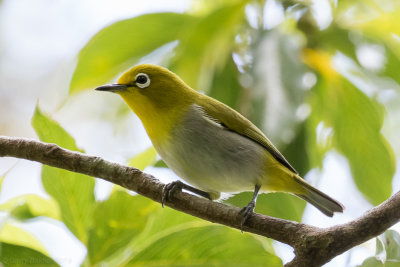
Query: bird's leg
x=246, y=211
x=171, y=188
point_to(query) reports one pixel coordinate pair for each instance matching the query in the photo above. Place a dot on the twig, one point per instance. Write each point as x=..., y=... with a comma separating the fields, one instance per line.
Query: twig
x=312, y=246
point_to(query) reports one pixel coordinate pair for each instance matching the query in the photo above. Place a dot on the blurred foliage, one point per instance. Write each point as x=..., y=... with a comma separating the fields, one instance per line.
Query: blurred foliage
x=122, y=229
x=387, y=251
x=306, y=83
x=74, y=193
x=12, y=255
x=144, y=159
x=30, y=206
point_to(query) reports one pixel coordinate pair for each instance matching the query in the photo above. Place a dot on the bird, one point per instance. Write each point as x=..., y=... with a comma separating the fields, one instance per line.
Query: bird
x=208, y=144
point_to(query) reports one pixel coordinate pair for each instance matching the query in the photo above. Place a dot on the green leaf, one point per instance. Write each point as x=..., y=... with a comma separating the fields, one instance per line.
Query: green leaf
x=372, y=262
x=73, y=192
x=19, y=256
x=392, y=66
x=387, y=251
x=280, y=205
x=2, y=176
x=30, y=206
x=336, y=38
x=207, y=45
x=122, y=44
x=356, y=121
x=296, y=151
x=225, y=85
x=160, y=164
x=205, y=246
x=116, y=221
x=391, y=241
x=14, y=235
x=171, y=238
x=160, y=222
x=144, y=159
x=163, y=222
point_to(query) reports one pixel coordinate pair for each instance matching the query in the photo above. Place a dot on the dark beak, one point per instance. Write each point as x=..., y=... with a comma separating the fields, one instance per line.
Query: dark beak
x=115, y=88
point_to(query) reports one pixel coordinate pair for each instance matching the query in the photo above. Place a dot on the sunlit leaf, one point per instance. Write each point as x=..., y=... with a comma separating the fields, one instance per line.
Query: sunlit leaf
x=161, y=222
x=207, y=45
x=19, y=256
x=30, y=206
x=391, y=241
x=387, y=251
x=225, y=85
x=176, y=232
x=12, y=234
x=375, y=21
x=116, y=221
x=160, y=164
x=336, y=38
x=392, y=66
x=144, y=159
x=280, y=205
x=123, y=43
x=356, y=121
x=357, y=125
x=73, y=192
x=1, y=180
x=205, y=246
x=372, y=262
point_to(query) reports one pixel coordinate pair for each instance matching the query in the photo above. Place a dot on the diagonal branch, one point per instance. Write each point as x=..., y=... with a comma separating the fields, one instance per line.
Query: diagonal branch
x=313, y=246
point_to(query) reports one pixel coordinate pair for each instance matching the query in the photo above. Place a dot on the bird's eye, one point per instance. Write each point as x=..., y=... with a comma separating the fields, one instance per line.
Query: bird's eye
x=142, y=80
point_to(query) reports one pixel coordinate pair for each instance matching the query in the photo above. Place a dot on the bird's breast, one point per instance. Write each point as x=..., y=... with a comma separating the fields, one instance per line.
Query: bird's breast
x=211, y=157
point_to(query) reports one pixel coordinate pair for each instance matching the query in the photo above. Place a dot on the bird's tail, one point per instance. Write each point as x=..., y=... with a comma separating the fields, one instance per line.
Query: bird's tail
x=318, y=199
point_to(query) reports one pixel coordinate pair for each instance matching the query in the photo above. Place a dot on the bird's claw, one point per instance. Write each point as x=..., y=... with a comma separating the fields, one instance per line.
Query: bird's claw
x=169, y=189
x=245, y=213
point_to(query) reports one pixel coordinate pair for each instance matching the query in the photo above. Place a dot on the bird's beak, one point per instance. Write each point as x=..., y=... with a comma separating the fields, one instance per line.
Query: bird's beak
x=115, y=87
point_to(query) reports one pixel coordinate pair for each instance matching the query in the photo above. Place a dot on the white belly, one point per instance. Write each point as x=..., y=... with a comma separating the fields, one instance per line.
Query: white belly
x=212, y=158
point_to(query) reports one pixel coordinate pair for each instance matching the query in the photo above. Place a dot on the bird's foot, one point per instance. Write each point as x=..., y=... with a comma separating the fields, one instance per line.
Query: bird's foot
x=169, y=190
x=245, y=212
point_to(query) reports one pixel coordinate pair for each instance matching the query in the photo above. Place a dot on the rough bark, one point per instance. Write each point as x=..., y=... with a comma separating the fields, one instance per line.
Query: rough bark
x=312, y=246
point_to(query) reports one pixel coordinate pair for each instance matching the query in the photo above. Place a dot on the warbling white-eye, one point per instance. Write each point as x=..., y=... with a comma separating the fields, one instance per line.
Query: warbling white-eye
x=208, y=144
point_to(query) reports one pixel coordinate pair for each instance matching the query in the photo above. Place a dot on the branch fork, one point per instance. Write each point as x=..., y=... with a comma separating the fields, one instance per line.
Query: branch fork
x=312, y=246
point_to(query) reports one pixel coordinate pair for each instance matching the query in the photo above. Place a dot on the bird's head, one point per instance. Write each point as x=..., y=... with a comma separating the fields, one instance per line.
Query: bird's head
x=152, y=92
x=151, y=85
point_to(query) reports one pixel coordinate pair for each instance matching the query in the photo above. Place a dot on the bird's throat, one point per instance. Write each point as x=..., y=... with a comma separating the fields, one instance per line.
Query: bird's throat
x=158, y=124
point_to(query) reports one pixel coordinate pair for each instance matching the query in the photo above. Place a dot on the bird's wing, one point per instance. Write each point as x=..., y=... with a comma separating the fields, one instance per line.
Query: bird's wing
x=234, y=121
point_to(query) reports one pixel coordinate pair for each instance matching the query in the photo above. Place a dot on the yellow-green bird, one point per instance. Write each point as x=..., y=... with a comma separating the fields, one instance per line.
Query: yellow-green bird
x=208, y=144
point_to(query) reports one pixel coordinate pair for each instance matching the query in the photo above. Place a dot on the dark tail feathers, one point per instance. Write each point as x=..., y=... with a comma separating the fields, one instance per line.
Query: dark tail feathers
x=320, y=200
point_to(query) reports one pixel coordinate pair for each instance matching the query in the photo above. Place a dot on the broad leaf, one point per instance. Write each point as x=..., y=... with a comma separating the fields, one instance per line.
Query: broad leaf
x=144, y=159
x=116, y=221
x=280, y=205
x=387, y=251
x=19, y=256
x=161, y=222
x=14, y=235
x=225, y=85
x=205, y=246
x=73, y=192
x=30, y=206
x=356, y=121
x=122, y=44
x=207, y=45
x=391, y=241
x=183, y=238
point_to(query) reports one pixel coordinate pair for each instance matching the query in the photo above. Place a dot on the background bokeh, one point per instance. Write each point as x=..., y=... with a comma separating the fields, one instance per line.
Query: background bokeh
x=320, y=78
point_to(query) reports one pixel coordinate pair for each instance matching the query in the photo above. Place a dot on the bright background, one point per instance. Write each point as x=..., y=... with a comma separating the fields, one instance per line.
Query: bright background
x=39, y=46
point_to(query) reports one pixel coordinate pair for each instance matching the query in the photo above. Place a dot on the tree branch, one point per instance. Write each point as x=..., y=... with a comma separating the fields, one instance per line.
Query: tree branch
x=312, y=246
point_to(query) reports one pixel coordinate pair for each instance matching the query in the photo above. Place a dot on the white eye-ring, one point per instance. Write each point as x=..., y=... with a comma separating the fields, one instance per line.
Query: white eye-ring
x=142, y=80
